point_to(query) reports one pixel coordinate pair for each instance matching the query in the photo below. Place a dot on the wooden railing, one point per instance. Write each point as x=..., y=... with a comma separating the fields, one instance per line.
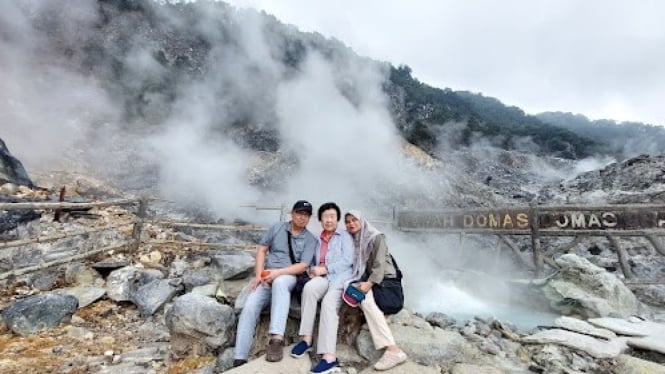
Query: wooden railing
x=609, y=221
x=133, y=242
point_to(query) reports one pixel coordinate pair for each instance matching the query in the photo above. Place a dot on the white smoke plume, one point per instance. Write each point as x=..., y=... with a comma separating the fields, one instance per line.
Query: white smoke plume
x=330, y=115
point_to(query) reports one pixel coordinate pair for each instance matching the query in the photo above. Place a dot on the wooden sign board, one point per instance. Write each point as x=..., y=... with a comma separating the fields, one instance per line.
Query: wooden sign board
x=520, y=219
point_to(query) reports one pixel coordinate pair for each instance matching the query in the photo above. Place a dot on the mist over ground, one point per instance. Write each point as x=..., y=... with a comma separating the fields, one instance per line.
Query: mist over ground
x=241, y=125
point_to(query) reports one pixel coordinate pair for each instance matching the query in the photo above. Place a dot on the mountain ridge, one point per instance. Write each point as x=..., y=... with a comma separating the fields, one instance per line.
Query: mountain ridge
x=145, y=53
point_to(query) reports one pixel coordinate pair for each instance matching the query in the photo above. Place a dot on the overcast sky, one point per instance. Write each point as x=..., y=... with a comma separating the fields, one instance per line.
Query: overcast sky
x=600, y=58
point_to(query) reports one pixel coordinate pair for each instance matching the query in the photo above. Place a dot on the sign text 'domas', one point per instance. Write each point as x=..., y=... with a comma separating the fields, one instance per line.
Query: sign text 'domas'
x=520, y=219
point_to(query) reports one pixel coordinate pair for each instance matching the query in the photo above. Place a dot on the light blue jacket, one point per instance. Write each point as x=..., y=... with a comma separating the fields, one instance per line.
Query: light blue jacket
x=339, y=258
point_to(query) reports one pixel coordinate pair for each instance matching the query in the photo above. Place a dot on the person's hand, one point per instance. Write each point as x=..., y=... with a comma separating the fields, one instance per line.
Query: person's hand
x=254, y=283
x=363, y=286
x=274, y=273
x=319, y=270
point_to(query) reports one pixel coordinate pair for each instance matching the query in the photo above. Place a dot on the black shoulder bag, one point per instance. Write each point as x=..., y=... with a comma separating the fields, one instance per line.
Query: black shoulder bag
x=301, y=278
x=389, y=295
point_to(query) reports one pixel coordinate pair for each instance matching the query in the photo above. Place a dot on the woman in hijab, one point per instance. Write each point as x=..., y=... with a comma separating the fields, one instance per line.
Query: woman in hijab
x=373, y=263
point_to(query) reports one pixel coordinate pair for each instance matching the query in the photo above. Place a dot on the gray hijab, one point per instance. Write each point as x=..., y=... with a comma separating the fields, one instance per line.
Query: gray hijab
x=362, y=242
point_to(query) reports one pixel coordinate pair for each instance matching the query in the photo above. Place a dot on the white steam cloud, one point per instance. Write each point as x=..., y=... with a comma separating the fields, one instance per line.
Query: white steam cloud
x=330, y=115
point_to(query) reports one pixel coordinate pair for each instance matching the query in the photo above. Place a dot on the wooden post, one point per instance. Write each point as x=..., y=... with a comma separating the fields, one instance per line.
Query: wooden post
x=535, y=239
x=460, y=252
x=138, y=225
x=517, y=252
x=56, y=214
x=622, y=254
x=497, y=254
x=656, y=244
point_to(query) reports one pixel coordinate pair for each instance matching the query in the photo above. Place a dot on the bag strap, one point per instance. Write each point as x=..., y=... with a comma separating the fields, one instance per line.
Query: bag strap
x=293, y=257
x=399, y=272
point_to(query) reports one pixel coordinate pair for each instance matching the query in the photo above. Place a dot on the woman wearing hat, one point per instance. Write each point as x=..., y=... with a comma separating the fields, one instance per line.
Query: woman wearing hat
x=372, y=264
x=332, y=269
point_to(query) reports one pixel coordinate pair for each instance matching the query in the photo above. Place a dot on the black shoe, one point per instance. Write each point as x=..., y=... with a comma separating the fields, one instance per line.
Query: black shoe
x=238, y=362
x=275, y=350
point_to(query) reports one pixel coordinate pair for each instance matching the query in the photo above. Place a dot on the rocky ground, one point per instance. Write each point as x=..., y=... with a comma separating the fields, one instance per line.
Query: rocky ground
x=144, y=312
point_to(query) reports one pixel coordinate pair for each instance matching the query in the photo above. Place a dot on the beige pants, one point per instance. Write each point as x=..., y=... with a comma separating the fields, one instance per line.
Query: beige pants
x=376, y=321
x=314, y=290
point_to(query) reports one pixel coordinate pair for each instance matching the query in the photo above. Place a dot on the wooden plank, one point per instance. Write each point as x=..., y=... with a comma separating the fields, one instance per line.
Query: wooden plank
x=39, y=206
x=45, y=239
x=30, y=269
x=201, y=244
x=207, y=225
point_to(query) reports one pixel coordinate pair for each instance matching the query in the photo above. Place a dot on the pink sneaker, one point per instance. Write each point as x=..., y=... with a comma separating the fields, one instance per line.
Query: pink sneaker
x=390, y=360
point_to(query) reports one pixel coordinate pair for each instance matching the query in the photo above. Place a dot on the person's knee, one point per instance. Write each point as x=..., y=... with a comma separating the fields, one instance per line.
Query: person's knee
x=253, y=305
x=282, y=282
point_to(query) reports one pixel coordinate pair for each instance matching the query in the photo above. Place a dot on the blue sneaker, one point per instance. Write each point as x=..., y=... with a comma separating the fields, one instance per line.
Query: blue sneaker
x=325, y=367
x=300, y=349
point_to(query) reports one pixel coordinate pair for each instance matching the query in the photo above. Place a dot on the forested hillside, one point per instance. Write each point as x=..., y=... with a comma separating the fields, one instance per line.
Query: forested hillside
x=624, y=139
x=148, y=55
x=431, y=112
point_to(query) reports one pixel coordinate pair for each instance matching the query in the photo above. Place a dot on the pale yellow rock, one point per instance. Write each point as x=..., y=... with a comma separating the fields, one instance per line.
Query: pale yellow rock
x=288, y=365
x=8, y=188
x=475, y=369
x=408, y=367
x=632, y=365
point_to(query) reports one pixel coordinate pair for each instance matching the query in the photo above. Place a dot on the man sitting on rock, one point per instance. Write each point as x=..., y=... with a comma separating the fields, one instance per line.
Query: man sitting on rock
x=274, y=278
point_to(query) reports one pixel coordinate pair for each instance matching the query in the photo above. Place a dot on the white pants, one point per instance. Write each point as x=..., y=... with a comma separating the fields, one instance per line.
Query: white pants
x=376, y=321
x=314, y=290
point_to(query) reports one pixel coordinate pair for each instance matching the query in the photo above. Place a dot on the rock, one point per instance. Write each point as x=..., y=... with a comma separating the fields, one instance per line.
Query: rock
x=145, y=355
x=288, y=365
x=425, y=346
x=11, y=220
x=152, y=259
x=124, y=368
x=78, y=274
x=576, y=325
x=595, y=347
x=439, y=319
x=626, y=364
x=8, y=188
x=233, y=264
x=45, y=281
x=349, y=356
x=206, y=290
x=199, y=324
x=474, y=369
x=79, y=333
x=85, y=295
x=623, y=327
x=154, y=331
x=118, y=283
x=11, y=169
x=652, y=294
x=40, y=312
x=150, y=297
x=121, y=283
x=197, y=278
x=582, y=288
x=105, y=267
x=225, y=360
x=408, y=367
x=654, y=342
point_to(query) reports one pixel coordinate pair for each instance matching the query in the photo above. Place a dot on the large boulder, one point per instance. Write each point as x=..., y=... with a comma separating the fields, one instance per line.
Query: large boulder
x=199, y=325
x=584, y=289
x=423, y=343
x=39, y=312
x=11, y=169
